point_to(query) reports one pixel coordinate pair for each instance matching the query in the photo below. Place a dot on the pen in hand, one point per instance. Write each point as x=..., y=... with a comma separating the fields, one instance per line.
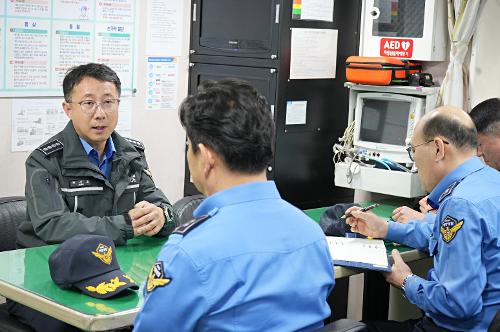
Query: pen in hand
x=368, y=208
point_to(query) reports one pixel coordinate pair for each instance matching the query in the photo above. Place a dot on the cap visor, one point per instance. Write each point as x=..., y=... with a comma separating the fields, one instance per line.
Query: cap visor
x=106, y=285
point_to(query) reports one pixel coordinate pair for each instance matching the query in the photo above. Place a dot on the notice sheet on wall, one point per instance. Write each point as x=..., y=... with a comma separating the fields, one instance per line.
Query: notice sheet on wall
x=36, y=120
x=313, y=53
x=162, y=83
x=41, y=39
x=165, y=21
x=317, y=10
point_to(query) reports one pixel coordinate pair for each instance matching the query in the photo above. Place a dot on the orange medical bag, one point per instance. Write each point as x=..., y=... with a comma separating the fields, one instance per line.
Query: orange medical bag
x=380, y=70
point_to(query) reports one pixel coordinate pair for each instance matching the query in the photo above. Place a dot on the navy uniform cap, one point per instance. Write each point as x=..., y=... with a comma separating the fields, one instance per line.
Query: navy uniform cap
x=88, y=262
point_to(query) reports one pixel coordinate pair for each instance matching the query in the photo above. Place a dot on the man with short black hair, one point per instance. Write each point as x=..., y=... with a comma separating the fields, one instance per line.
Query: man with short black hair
x=249, y=261
x=461, y=292
x=88, y=179
x=486, y=117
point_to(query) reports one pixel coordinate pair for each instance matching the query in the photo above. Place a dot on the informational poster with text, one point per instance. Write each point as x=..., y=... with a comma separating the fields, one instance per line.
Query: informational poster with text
x=41, y=39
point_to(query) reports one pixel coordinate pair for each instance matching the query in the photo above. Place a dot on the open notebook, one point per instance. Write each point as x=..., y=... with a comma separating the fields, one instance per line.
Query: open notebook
x=358, y=252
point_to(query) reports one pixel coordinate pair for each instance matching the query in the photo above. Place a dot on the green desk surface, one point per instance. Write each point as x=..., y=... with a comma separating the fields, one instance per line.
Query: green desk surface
x=384, y=210
x=28, y=269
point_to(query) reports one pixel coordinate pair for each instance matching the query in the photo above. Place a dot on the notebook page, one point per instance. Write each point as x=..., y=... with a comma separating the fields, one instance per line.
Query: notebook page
x=358, y=250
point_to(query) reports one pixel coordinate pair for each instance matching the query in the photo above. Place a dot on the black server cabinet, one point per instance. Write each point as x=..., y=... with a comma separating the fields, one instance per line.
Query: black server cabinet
x=251, y=40
x=235, y=28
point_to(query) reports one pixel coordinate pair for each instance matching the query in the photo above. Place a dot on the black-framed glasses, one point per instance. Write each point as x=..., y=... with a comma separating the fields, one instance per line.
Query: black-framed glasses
x=411, y=148
x=89, y=107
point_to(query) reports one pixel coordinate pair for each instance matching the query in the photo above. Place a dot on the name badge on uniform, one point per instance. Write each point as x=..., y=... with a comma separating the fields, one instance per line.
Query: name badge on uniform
x=79, y=183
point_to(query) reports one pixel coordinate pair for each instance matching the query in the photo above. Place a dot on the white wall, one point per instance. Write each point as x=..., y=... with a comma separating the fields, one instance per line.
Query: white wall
x=160, y=131
x=485, y=51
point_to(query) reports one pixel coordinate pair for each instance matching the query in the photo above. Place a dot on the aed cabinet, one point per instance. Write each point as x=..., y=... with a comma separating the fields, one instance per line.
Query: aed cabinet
x=410, y=29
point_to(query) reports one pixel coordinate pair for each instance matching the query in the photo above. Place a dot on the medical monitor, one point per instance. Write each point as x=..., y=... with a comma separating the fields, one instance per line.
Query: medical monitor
x=384, y=124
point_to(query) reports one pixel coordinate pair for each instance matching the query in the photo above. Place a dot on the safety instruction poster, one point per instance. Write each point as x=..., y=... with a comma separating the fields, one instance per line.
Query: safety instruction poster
x=162, y=83
x=41, y=39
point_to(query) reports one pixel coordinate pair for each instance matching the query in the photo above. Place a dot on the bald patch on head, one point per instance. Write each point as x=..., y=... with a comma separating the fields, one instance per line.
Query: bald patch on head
x=451, y=123
x=456, y=114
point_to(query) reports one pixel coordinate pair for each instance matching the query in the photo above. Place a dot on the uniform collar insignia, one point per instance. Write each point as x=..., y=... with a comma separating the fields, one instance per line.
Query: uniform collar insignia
x=104, y=253
x=450, y=227
x=156, y=277
x=50, y=147
x=448, y=190
x=190, y=225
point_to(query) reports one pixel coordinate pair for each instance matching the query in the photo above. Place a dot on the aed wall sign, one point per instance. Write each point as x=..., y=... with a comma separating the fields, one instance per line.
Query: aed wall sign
x=396, y=47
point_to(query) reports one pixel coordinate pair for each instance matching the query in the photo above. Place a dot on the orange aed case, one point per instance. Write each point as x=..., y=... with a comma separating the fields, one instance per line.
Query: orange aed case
x=380, y=70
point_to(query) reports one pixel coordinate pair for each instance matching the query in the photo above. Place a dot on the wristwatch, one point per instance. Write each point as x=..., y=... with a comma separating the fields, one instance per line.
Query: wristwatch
x=168, y=211
x=403, y=285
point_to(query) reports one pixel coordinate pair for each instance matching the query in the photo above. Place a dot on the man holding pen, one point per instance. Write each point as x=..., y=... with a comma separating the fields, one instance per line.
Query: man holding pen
x=461, y=293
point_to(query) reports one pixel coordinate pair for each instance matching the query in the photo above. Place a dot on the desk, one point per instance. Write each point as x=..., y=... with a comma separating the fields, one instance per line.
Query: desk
x=376, y=289
x=25, y=278
x=385, y=211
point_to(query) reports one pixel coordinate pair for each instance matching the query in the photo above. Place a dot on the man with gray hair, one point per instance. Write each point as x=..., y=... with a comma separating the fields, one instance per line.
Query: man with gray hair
x=461, y=291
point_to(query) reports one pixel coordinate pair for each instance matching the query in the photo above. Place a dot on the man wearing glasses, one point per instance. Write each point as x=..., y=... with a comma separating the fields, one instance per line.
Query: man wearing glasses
x=486, y=118
x=461, y=291
x=88, y=179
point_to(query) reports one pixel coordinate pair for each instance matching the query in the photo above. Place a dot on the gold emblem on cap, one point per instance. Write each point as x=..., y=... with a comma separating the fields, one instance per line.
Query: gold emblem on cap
x=104, y=253
x=129, y=278
x=106, y=287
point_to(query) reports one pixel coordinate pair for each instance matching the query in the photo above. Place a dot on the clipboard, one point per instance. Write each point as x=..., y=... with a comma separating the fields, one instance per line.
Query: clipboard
x=358, y=252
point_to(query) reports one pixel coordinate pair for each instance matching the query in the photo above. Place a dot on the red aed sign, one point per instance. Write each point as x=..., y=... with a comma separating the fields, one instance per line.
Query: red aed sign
x=396, y=47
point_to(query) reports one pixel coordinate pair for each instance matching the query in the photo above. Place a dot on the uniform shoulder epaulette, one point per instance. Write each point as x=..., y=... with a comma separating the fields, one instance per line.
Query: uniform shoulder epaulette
x=448, y=190
x=50, y=147
x=135, y=143
x=190, y=225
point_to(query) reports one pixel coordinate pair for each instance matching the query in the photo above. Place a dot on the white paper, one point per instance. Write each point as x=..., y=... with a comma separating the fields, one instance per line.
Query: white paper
x=115, y=10
x=124, y=125
x=296, y=112
x=162, y=83
x=164, y=29
x=2, y=52
x=27, y=56
x=313, y=53
x=2, y=8
x=34, y=121
x=319, y=10
x=358, y=250
x=113, y=47
x=30, y=8
x=74, y=9
x=72, y=45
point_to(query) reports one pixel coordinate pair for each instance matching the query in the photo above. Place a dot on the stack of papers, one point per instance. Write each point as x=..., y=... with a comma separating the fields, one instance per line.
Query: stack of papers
x=358, y=252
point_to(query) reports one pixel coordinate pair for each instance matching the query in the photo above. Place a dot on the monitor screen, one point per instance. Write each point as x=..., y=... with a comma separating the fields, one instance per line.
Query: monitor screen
x=225, y=24
x=384, y=121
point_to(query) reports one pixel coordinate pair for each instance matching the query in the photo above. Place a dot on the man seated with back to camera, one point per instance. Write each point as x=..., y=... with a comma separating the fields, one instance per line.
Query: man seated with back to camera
x=88, y=179
x=249, y=261
x=462, y=290
x=486, y=118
